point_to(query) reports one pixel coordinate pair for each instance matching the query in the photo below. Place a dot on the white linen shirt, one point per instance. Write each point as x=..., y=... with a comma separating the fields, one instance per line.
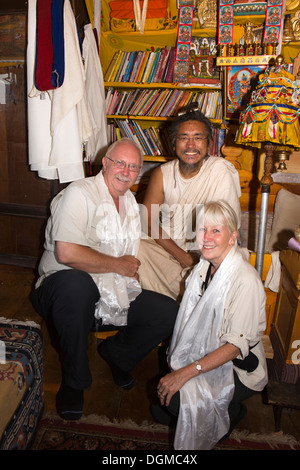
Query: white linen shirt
x=244, y=321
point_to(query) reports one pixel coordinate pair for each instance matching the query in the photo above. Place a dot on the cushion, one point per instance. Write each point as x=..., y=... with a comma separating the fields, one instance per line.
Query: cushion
x=286, y=218
x=122, y=15
x=248, y=232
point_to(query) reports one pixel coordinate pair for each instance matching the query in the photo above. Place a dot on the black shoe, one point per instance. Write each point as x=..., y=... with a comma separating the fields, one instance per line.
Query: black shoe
x=121, y=377
x=69, y=402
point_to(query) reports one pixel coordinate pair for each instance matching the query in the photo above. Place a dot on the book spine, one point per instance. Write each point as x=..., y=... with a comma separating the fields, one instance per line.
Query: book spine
x=144, y=103
x=134, y=67
x=164, y=64
x=129, y=66
x=156, y=139
x=155, y=150
x=154, y=67
x=159, y=65
x=140, y=96
x=141, y=66
x=145, y=67
x=165, y=111
x=112, y=103
x=169, y=73
x=130, y=101
x=140, y=136
x=116, y=102
x=108, y=98
x=159, y=132
x=175, y=103
x=121, y=66
x=148, y=67
x=127, y=57
x=137, y=66
x=111, y=67
x=164, y=102
x=142, y=69
x=119, y=108
x=120, y=125
x=116, y=68
x=156, y=105
x=181, y=103
x=150, y=101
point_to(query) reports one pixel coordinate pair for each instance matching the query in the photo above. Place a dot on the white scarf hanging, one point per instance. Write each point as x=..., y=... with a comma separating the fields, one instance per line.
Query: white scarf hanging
x=140, y=17
x=95, y=94
x=203, y=416
x=119, y=236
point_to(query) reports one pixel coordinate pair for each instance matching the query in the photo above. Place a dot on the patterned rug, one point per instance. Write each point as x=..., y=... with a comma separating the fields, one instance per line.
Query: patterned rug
x=21, y=383
x=97, y=433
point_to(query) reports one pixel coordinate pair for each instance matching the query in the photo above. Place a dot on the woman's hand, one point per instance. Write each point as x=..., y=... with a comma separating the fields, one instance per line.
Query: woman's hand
x=172, y=382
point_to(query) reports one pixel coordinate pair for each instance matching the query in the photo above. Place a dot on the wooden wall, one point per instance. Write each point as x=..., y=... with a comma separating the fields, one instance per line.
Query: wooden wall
x=24, y=197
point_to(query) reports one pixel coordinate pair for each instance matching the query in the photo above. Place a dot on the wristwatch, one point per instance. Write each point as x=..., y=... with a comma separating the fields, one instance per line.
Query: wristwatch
x=198, y=367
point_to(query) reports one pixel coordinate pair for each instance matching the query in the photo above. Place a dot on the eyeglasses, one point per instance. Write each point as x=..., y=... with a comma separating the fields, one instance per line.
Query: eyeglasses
x=120, y=164
x=185, y=138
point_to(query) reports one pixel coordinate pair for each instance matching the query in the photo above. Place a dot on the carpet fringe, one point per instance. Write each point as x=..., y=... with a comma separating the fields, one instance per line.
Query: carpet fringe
x=104, y=420
x=13, y=321
x=273, y=439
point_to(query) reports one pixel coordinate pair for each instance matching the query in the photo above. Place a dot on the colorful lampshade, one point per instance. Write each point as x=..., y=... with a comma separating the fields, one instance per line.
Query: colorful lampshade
x=273, y=114
x=271, y=121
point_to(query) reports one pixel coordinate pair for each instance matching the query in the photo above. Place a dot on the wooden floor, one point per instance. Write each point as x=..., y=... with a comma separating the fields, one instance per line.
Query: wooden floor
x=104, y=397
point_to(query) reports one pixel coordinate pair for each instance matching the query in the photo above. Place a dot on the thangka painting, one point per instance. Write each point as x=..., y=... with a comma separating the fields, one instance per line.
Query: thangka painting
x=239, y=84
x=203, y=46
x=202, y=69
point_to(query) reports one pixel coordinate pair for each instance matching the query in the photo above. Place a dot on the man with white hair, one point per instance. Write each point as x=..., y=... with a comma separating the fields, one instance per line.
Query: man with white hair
x=89, y=270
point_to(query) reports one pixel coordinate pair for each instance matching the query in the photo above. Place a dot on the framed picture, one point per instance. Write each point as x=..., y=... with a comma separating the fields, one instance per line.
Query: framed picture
x=202, y=69
x=239, y=83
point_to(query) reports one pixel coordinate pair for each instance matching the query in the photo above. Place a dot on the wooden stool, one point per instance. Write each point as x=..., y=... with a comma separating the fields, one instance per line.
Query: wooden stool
x=105, y=334
x=282, y=395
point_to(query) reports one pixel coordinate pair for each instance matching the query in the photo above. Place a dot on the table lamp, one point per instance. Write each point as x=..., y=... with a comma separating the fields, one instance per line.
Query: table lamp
x=271, y=121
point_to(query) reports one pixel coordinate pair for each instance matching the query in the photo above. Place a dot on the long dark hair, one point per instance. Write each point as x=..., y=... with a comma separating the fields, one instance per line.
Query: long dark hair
x=190, y=115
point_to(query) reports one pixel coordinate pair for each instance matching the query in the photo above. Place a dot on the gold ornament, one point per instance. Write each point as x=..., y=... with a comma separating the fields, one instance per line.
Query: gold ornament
x=296, y=26
x=292, y=4
x=288, y=34
x=207, y=13
x=248, y=34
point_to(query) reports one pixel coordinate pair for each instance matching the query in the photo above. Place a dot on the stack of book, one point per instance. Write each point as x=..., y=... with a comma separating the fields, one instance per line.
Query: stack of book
x=142, y=66
x=153, y=140
x=161, y=102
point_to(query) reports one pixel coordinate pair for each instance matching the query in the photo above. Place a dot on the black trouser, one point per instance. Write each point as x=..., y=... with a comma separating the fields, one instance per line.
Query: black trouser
x=68, y=297
x=241, y=393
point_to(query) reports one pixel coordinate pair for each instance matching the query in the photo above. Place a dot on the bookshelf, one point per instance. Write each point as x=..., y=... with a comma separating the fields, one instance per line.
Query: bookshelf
x=114, y=39
x=153, y=88
x=142, y=110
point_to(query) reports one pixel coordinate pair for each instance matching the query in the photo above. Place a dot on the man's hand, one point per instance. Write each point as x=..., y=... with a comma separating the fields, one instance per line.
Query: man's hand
x=128, y=266
x=188, y=260
x=91, y=261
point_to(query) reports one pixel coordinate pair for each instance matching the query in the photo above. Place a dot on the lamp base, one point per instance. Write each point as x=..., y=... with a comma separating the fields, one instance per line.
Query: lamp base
x=268, y=164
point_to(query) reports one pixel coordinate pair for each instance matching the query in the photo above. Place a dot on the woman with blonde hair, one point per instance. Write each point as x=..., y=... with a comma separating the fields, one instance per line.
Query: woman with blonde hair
x=216, y=355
